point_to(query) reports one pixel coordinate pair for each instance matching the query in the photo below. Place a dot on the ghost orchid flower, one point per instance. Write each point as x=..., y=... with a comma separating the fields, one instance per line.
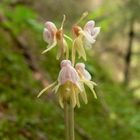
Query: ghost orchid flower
x=68, y=80
x=85, y=78
x=49, y=35
x=90, y=33
x=67, y=86
x=84, y=38
x=53, y=37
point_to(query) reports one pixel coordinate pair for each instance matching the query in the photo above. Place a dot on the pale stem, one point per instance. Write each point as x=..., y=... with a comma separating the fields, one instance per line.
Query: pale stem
x=71, y=121
x=66, y=117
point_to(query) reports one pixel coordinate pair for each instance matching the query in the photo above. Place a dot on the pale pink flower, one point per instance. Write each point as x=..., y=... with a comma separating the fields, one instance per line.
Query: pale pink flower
x=85, y=79
x=67, y=73
x=84, y=38
x=71, y=84
x=90, y=33
x=53, y=37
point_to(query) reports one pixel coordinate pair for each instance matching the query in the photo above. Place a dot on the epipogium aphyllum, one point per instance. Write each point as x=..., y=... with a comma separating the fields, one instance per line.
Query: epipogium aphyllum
x=72, y=78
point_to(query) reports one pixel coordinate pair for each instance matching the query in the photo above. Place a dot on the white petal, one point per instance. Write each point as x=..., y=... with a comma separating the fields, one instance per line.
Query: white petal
x=95, y=32
x=47, y=36
x=50, y=26
x=87, y=75
x=89, y=38
x=89, y=25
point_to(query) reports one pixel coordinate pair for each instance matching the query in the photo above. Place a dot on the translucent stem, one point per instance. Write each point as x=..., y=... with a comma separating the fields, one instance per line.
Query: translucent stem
x=71, y=121
x=66, y=117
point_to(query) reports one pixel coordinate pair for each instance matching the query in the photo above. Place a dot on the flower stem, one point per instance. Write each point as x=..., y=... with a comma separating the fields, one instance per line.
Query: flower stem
x=66, y=117
x=73, y=55
x=71, y=121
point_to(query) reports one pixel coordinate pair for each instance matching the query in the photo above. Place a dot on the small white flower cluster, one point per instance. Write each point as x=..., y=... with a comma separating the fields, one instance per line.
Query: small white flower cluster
x=72, y=77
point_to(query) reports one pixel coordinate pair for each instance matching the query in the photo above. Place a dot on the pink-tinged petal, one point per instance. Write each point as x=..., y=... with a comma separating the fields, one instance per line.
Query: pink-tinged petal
x=50, y=26
x=49, y=32
x=47, y=36
x=65, y=63
x=90, y=33
x=67, y=73
x=89, y=26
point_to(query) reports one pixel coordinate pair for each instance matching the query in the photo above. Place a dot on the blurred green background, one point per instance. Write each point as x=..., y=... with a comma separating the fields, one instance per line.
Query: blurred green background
x=113, y=63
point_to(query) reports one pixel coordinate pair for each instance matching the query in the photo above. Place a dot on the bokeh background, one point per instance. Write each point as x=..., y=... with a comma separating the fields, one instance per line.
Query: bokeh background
x=113, y=64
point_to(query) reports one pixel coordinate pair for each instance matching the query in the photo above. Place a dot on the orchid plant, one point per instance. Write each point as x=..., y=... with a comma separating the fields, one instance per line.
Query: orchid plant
x=72, y=77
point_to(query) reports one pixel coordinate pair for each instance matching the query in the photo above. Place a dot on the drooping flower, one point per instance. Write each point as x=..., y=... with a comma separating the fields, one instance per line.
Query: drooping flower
x=90, y=33
x=53, y=37
x=67, y=86
x=49, y=35
x=71, y=84
x=85, y=79
x=68, y=80
x=84, y=38
x=71, y=80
